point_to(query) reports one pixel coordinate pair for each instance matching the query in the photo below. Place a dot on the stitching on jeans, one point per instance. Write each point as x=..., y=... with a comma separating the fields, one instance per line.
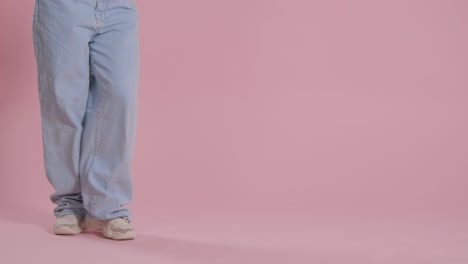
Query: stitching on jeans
x=98, y=108
x=97, y=128
x=35, y=36
x=36, y=4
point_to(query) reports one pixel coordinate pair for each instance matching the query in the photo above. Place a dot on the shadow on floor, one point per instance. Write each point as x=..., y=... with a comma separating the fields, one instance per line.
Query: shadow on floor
x=203, y=252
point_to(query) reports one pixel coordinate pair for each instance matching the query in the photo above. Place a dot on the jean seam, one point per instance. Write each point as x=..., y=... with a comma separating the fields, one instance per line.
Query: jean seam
x=95, y=142
x=35, y=36
x=36, y=4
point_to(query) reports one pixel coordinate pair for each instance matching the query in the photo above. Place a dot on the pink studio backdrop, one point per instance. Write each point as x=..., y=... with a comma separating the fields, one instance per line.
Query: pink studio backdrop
x=288, y=109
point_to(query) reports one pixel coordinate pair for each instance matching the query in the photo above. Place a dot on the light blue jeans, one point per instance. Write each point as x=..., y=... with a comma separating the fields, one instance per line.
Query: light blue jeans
x=87, y=58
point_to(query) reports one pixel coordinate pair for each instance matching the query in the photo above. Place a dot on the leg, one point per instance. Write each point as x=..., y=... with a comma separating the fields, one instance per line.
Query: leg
x=107, y=144
x=61, y=31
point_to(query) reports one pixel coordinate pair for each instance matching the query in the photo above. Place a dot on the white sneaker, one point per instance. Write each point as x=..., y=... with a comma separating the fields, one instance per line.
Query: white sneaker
x=69, y=224
x=116, y=228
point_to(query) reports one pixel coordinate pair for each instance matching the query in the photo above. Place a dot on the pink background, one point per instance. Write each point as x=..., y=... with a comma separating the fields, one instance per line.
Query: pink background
x=279, y=131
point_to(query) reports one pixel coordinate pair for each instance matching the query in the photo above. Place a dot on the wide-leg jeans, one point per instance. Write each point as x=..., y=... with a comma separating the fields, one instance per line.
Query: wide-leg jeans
x=87, y=58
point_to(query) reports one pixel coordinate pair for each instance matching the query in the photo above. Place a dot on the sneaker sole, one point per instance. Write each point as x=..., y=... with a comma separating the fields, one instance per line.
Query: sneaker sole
x=65, y=230
x=107, y=232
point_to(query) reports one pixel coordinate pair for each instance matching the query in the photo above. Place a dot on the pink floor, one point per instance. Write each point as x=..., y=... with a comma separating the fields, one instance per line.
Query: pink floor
x=228, y=237
x=269, y=132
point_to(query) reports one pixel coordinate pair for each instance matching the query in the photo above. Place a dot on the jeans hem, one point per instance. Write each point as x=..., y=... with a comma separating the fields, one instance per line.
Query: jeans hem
x=80, y=213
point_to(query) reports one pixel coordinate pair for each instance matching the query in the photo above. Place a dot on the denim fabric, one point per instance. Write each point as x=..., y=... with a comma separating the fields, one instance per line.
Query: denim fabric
x=87, y=59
